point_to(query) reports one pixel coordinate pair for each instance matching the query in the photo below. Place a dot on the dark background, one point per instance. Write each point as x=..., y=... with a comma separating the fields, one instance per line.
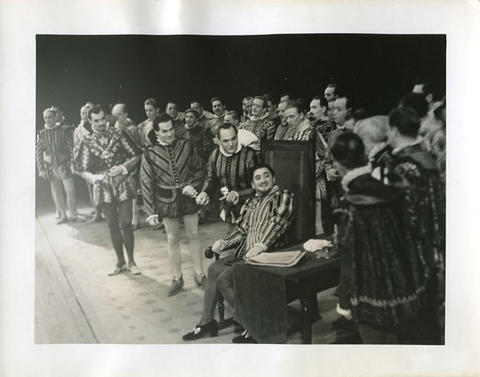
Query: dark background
x=375, y=69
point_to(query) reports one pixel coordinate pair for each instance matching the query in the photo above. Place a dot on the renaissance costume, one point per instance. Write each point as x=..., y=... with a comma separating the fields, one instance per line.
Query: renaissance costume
x=264, y=128
x=231, y=172
x=165, y=170
x=53, y=152
x=98, y=153
x=263, y=222
x=383, y=277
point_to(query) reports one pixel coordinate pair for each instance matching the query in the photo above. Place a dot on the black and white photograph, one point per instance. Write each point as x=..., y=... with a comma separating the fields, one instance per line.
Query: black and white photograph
x=240, y=190
x=147, y=151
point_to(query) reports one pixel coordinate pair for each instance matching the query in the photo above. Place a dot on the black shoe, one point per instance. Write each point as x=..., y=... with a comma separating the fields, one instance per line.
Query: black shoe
x=245, y=338
x=200, y=331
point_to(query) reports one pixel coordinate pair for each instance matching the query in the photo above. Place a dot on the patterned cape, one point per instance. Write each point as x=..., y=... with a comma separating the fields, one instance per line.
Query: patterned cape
x=383, y=277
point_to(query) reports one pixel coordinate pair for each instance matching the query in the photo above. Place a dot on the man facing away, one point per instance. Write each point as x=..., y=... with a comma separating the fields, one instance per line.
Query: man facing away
x=423, y=209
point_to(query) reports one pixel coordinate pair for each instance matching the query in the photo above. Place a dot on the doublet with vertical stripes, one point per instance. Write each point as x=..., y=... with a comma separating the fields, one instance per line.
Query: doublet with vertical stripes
x=263, y=220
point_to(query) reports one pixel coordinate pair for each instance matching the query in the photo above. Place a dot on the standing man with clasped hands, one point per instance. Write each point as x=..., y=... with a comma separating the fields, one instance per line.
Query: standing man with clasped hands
x=171, y=174
x=107, y=158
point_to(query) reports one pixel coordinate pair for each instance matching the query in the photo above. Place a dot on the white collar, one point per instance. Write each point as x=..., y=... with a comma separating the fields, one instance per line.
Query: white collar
x=226, y=154
x=52, y=127
x=263, y=117
x=355, y=173
x=164, y=144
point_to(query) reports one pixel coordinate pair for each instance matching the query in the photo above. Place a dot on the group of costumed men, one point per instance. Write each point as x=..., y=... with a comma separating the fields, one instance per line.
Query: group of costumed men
x=389, y=202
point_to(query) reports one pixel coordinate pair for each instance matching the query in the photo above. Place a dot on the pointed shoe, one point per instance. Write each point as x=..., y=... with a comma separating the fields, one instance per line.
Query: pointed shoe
x=245, y=338
x=177, y=285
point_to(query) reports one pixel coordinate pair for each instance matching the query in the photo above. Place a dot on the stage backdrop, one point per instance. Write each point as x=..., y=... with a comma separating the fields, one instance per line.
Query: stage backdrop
x=375, y=69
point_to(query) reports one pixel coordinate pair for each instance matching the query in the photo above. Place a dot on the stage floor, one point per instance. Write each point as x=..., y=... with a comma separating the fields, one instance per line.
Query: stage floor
x=77, y=302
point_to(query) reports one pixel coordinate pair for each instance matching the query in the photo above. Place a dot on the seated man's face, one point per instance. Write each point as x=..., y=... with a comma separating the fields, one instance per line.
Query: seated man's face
x=263, y=181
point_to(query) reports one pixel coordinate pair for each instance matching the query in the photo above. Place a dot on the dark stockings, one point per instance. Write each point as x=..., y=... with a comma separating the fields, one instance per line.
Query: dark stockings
x=120, y=214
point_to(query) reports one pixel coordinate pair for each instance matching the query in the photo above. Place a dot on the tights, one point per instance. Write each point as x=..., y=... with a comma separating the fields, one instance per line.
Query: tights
x=219, y=280
x=57, y=194
x=90, y=194
x=172, y=226
x=120, y=212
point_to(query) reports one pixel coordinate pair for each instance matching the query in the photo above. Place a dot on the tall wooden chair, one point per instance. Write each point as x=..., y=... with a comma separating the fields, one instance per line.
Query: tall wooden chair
x=294, y=166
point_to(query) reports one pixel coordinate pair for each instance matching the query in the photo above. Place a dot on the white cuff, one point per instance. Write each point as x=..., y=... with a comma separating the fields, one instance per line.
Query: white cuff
x=347, y=313
x=151, y=217
x=124, y=169
x=262, y=246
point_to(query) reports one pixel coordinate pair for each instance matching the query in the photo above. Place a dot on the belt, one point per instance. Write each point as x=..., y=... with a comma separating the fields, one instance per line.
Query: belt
x=174, y=187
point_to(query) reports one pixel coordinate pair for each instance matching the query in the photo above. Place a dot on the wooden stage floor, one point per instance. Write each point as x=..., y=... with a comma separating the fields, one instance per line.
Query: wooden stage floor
x=76, y=302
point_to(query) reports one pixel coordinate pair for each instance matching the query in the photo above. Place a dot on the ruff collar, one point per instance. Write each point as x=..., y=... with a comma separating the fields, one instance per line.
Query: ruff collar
x=164, y=144
x=226, y=154
x=252, y=118
x=52, y=127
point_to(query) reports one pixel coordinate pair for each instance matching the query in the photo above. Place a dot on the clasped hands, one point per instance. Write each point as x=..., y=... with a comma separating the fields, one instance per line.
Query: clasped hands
x=231, y=197
x=113, y=172
x=189, y=191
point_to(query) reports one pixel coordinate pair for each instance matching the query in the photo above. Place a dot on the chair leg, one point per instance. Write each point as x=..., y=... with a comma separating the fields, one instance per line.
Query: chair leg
x=221, y=310
x=222, y=322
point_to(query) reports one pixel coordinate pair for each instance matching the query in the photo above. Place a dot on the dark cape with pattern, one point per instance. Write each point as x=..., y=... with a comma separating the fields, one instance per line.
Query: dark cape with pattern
x=383, y=278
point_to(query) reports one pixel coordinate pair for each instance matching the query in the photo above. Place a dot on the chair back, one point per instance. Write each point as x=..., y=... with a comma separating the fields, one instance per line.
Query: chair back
x=294, y=165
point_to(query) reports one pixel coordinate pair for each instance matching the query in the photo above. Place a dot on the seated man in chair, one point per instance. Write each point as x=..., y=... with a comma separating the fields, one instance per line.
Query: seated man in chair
x=263, y=221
